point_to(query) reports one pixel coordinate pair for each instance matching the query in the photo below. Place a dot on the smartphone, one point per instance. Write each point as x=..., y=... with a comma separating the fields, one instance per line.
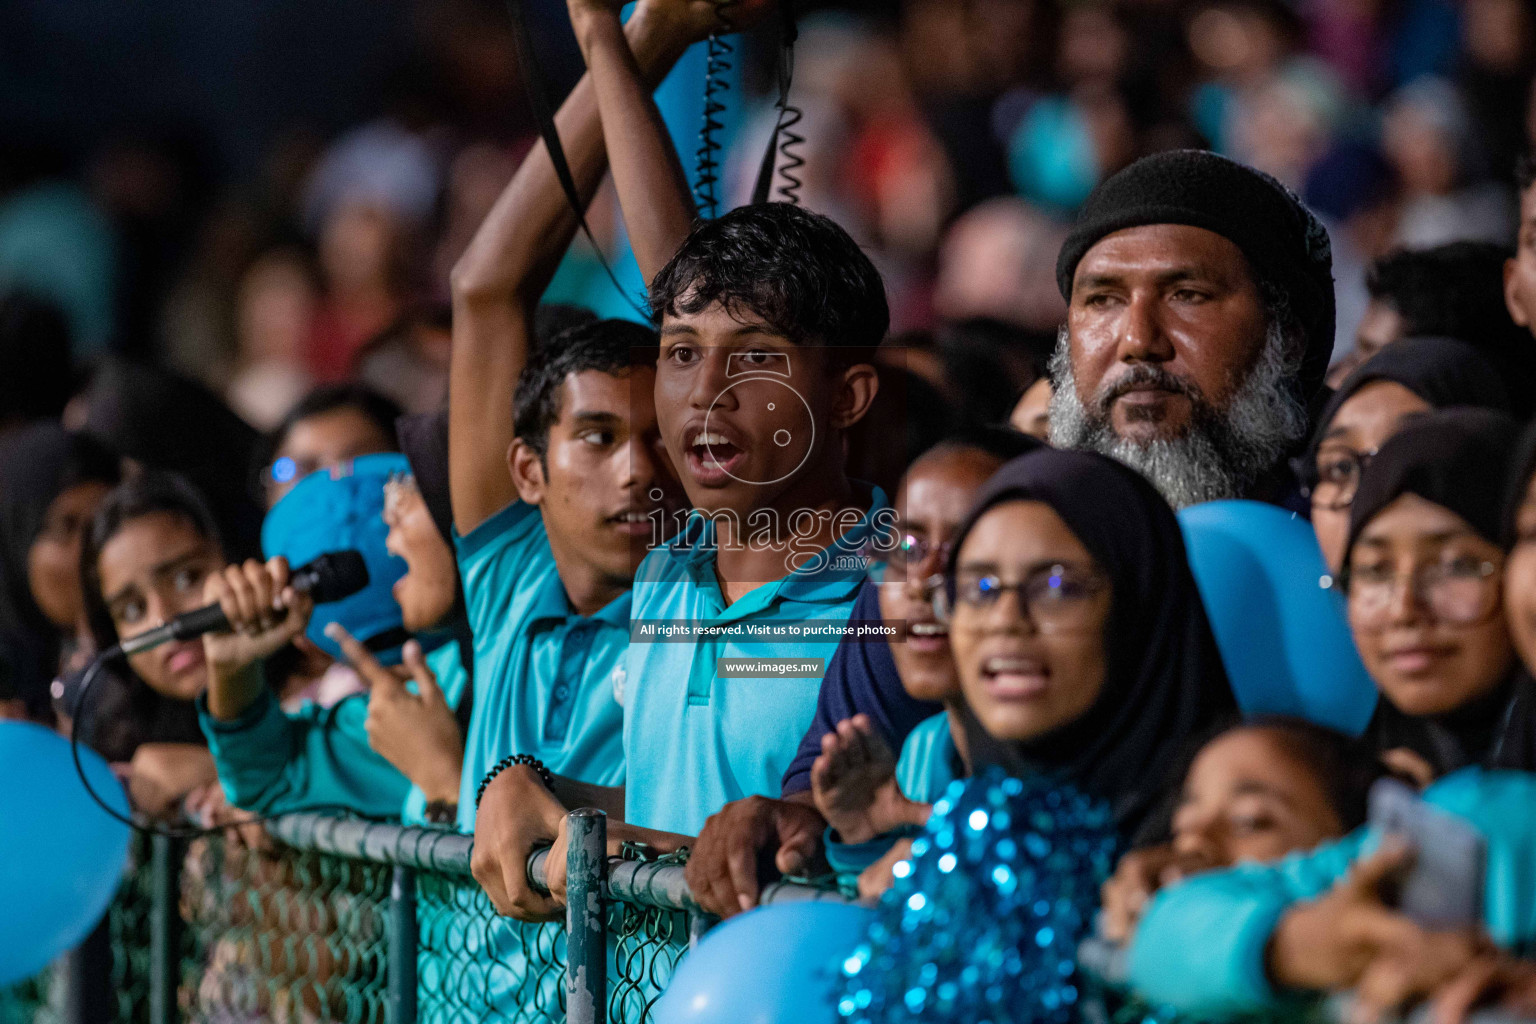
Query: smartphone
x=1444, y=887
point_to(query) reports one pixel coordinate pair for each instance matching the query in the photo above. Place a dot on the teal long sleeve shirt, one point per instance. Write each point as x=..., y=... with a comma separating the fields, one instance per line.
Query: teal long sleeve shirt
x=1200, y=947
x=271, y=762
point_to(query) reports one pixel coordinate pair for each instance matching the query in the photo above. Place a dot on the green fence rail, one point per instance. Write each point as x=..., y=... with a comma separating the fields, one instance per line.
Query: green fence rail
x=317, y=918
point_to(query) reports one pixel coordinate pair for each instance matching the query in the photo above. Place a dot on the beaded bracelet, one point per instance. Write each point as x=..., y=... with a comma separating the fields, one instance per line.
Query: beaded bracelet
x=508, y=762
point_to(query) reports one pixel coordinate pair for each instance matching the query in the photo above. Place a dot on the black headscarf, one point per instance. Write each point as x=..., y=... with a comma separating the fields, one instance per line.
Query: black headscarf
x=37, y=464
x=1444, y=372
x=1165, y=683
x=170, y=423
x=1450, y=458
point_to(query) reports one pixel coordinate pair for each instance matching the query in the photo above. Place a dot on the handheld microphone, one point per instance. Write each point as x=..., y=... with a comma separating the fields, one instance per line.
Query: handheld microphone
x=330, y=577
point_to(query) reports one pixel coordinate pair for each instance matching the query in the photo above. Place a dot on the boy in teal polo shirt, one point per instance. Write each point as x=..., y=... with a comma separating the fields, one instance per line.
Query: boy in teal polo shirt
x=767, y=318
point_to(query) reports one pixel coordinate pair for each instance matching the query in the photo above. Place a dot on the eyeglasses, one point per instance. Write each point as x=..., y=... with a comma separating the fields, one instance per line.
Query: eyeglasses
x=1057, y=598
x=288, y=470
x=1457, y=591
x=908, y=551
x=1334, y=478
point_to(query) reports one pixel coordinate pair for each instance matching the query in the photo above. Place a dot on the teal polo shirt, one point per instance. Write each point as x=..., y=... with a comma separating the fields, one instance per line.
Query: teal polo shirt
x=546, y=679
x=273, y=762
x=695, y=741
x=929, y=760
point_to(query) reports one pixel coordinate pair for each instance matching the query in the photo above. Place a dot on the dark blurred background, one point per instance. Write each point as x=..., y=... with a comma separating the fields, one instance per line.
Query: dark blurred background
x=266, y=194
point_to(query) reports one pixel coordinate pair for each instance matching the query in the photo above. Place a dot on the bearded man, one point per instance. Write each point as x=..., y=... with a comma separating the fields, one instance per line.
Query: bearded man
x=1199, y=326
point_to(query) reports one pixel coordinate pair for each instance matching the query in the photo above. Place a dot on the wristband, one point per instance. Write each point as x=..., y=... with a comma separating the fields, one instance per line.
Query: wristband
x=508, y=762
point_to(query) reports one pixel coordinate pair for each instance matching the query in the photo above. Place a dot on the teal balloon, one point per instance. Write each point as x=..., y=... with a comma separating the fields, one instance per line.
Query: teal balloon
x=1279, y=622
x=62, y=856
x=779, y=964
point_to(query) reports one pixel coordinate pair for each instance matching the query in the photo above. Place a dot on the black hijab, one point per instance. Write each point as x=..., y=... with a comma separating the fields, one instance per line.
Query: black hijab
x=37, y=464
x=1443, y=371
x=1445, y=457
x=1165, y=682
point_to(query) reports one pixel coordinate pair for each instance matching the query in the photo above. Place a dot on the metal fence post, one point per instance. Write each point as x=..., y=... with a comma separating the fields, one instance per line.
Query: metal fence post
x=164, y=928
x=402, y=946
x=586, y=941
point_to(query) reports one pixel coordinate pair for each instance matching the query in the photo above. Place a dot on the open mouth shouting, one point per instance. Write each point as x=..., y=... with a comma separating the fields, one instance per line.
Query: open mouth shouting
x=712, y=455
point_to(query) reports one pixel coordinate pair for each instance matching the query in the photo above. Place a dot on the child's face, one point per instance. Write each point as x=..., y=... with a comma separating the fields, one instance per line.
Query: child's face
x=933, y=500
x=1247, y=798
x=1424, y=608
x=152, y=570
x=1028, y=666
x=604, y=476
x=1362, y=425
x=746, y=413
x=426, y=592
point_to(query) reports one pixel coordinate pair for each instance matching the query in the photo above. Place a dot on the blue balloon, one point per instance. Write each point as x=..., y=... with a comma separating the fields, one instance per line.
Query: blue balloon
x=778, y=964
x=62, y=856
x=1281, y=626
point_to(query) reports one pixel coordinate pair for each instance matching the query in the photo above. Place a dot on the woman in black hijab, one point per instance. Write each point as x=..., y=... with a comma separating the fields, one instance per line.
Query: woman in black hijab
x=50, y=484
x=1431, y=511
x=1102, y=668
x=1415, y=375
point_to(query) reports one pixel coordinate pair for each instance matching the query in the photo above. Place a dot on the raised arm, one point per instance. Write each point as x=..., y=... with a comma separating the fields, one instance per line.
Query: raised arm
x=653, y=190
x=499, y=279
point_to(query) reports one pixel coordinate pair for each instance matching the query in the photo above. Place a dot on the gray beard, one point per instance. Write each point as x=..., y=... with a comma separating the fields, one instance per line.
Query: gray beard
x=1221, y=453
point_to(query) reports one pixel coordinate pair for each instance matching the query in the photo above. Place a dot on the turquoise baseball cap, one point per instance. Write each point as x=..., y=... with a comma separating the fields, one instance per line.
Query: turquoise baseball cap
x=342, y=509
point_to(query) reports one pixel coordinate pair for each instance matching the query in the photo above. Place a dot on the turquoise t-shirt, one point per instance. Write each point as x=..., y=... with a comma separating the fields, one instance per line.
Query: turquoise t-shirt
x=929, y=760
x=547, y=680
x=695, y=741
x=272, y=762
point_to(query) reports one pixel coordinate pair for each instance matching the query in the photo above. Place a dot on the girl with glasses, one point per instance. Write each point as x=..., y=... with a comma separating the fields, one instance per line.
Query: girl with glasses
x=1409, y=377
x=1079, y=639
x=1422, y=575
x=1438, y=622
x=868, y=795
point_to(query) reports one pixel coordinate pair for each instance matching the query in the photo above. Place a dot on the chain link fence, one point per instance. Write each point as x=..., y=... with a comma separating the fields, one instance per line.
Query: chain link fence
x=321, y=919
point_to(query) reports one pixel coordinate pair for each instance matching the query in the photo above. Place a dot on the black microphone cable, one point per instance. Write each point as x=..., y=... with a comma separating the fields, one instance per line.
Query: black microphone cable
x=138, y=823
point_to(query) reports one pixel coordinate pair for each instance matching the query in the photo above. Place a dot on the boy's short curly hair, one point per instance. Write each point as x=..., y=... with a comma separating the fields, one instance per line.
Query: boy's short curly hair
x=608, y=346
x=798, y=272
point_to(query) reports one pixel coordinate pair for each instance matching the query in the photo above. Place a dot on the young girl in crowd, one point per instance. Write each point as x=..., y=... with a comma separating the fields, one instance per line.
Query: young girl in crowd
x=1253, y=793
x=52, y=482
x=1079, y=639
x=1423, y=578
x=150, y=549
x=1438, y=647
x=1409, y=377
x=864, y=793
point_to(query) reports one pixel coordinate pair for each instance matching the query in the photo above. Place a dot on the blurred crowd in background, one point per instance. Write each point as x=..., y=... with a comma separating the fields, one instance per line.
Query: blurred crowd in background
x=276, y=201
